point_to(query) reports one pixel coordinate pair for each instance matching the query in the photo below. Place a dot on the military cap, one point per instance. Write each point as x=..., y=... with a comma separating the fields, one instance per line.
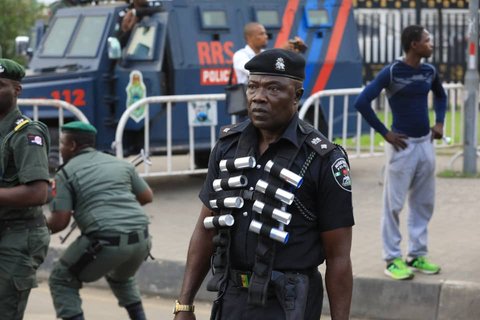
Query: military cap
x=9, y=69
x=79, y=126
x=278, y=62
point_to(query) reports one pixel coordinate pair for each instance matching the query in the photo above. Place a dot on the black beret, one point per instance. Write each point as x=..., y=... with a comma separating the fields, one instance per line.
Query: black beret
x=9, y=69
x=278, y=62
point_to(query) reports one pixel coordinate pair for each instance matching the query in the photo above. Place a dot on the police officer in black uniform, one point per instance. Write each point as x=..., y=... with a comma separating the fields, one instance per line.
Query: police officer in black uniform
x=276, y=204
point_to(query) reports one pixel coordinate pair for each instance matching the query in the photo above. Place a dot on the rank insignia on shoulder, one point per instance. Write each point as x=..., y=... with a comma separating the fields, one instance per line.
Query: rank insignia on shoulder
x=34, y=139
x=341, y=174
x=316, y=140
x=19, y=123
x=319, y=143
x=228, y=130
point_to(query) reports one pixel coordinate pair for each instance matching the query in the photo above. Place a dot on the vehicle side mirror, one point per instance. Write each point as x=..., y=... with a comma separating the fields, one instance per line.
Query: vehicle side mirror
x=21, y=46
x=114, y=48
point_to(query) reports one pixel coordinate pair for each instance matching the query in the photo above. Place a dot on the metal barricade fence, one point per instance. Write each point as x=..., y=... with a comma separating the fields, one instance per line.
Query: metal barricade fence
x=455, y=103
x=168, y=100
x=59, y=104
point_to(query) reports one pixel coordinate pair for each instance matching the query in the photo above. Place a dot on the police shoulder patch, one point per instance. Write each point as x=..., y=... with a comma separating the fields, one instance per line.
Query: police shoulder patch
x=341, y=174
x=34, y=139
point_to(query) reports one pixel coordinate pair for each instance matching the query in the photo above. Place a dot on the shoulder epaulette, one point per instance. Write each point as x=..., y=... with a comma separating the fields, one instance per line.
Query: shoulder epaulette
x=21, y=123
x=317, y=141
x=229, y=130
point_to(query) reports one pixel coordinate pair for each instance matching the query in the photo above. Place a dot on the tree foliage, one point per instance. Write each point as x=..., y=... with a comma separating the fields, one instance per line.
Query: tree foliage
x=16, y=18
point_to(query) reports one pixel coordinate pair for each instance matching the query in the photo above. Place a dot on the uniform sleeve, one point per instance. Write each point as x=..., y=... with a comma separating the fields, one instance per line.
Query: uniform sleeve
x=30, y=154
x=138, y=184
x=213, y=173
x=364, y=100
x=335, y=193
x=63, y=198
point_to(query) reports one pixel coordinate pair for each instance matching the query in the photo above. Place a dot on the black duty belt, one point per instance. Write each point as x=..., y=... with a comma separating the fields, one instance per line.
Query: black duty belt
x=241, y=278
x=32, y=223
x=132, y=238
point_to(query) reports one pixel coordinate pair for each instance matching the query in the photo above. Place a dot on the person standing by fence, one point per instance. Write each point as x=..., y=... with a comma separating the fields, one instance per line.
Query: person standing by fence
x=410, y=168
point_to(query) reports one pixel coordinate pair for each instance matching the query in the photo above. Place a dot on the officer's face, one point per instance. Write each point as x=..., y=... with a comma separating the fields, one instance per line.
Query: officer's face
x=9, y=91
x=67, y=146
x=272, y=101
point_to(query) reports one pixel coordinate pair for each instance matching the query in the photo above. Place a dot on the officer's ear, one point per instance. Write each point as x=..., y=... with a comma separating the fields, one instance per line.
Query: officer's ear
x=17, y=86
x=299, y=93
x=69, y=142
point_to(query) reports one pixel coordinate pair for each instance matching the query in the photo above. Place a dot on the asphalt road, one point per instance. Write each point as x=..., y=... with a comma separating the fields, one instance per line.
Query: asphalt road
x=100, y=304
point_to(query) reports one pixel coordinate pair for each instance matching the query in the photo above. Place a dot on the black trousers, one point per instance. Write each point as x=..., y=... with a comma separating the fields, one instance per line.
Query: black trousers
x=235, y=305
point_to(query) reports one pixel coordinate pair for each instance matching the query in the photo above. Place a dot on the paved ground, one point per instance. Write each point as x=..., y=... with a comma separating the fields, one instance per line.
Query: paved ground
x=100, y=304
x=454, y=244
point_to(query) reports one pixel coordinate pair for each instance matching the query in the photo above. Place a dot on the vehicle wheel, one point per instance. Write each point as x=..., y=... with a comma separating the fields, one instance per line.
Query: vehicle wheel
x=201, y=159
x=322, y=123
x=54, y=153
x=53, y=159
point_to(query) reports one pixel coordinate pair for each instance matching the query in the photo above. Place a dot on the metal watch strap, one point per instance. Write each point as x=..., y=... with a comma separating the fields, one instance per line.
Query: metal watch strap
x=183, y=307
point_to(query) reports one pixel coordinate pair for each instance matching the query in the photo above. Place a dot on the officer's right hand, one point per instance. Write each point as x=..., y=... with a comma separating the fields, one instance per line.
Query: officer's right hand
x=185, y=316
x=397, y=140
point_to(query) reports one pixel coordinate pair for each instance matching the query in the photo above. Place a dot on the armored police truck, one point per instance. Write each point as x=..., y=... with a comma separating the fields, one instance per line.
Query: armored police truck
x=178, y=47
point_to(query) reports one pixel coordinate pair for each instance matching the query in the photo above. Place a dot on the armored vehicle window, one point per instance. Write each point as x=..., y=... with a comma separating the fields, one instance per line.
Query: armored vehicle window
x=269, y=18
x=317, y=18
x=88, y=37
x=142, y=42
x=59, y=36
x=214, y=19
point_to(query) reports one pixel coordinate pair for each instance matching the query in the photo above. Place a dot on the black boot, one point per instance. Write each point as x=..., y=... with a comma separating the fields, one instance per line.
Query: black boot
x=135, y=311
x=77, y=317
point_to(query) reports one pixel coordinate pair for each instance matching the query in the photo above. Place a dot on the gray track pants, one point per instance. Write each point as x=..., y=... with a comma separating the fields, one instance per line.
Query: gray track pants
x=409, y=172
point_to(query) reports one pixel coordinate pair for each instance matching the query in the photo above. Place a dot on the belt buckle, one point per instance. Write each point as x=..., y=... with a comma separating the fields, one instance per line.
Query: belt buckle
x=244, y=280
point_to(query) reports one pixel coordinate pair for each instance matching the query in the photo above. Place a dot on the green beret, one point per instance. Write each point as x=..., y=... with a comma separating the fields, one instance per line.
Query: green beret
x=278, y=62
x=9, y=69
x=79, y=126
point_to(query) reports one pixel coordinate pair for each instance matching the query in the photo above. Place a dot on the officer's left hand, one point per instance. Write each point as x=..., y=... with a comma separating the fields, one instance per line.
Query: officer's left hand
x=437, y=131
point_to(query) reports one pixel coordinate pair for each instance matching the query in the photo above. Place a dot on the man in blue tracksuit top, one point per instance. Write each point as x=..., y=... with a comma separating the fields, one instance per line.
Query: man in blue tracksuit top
x=410, y=168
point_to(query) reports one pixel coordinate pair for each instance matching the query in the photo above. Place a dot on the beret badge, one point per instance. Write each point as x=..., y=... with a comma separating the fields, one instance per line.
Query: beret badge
x=280, y=64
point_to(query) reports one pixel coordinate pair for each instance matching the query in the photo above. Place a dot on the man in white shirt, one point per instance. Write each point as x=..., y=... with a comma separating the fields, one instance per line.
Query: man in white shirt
x=257, y=40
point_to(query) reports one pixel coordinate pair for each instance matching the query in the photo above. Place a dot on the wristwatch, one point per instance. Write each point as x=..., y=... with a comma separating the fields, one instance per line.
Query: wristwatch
x=183, y=307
